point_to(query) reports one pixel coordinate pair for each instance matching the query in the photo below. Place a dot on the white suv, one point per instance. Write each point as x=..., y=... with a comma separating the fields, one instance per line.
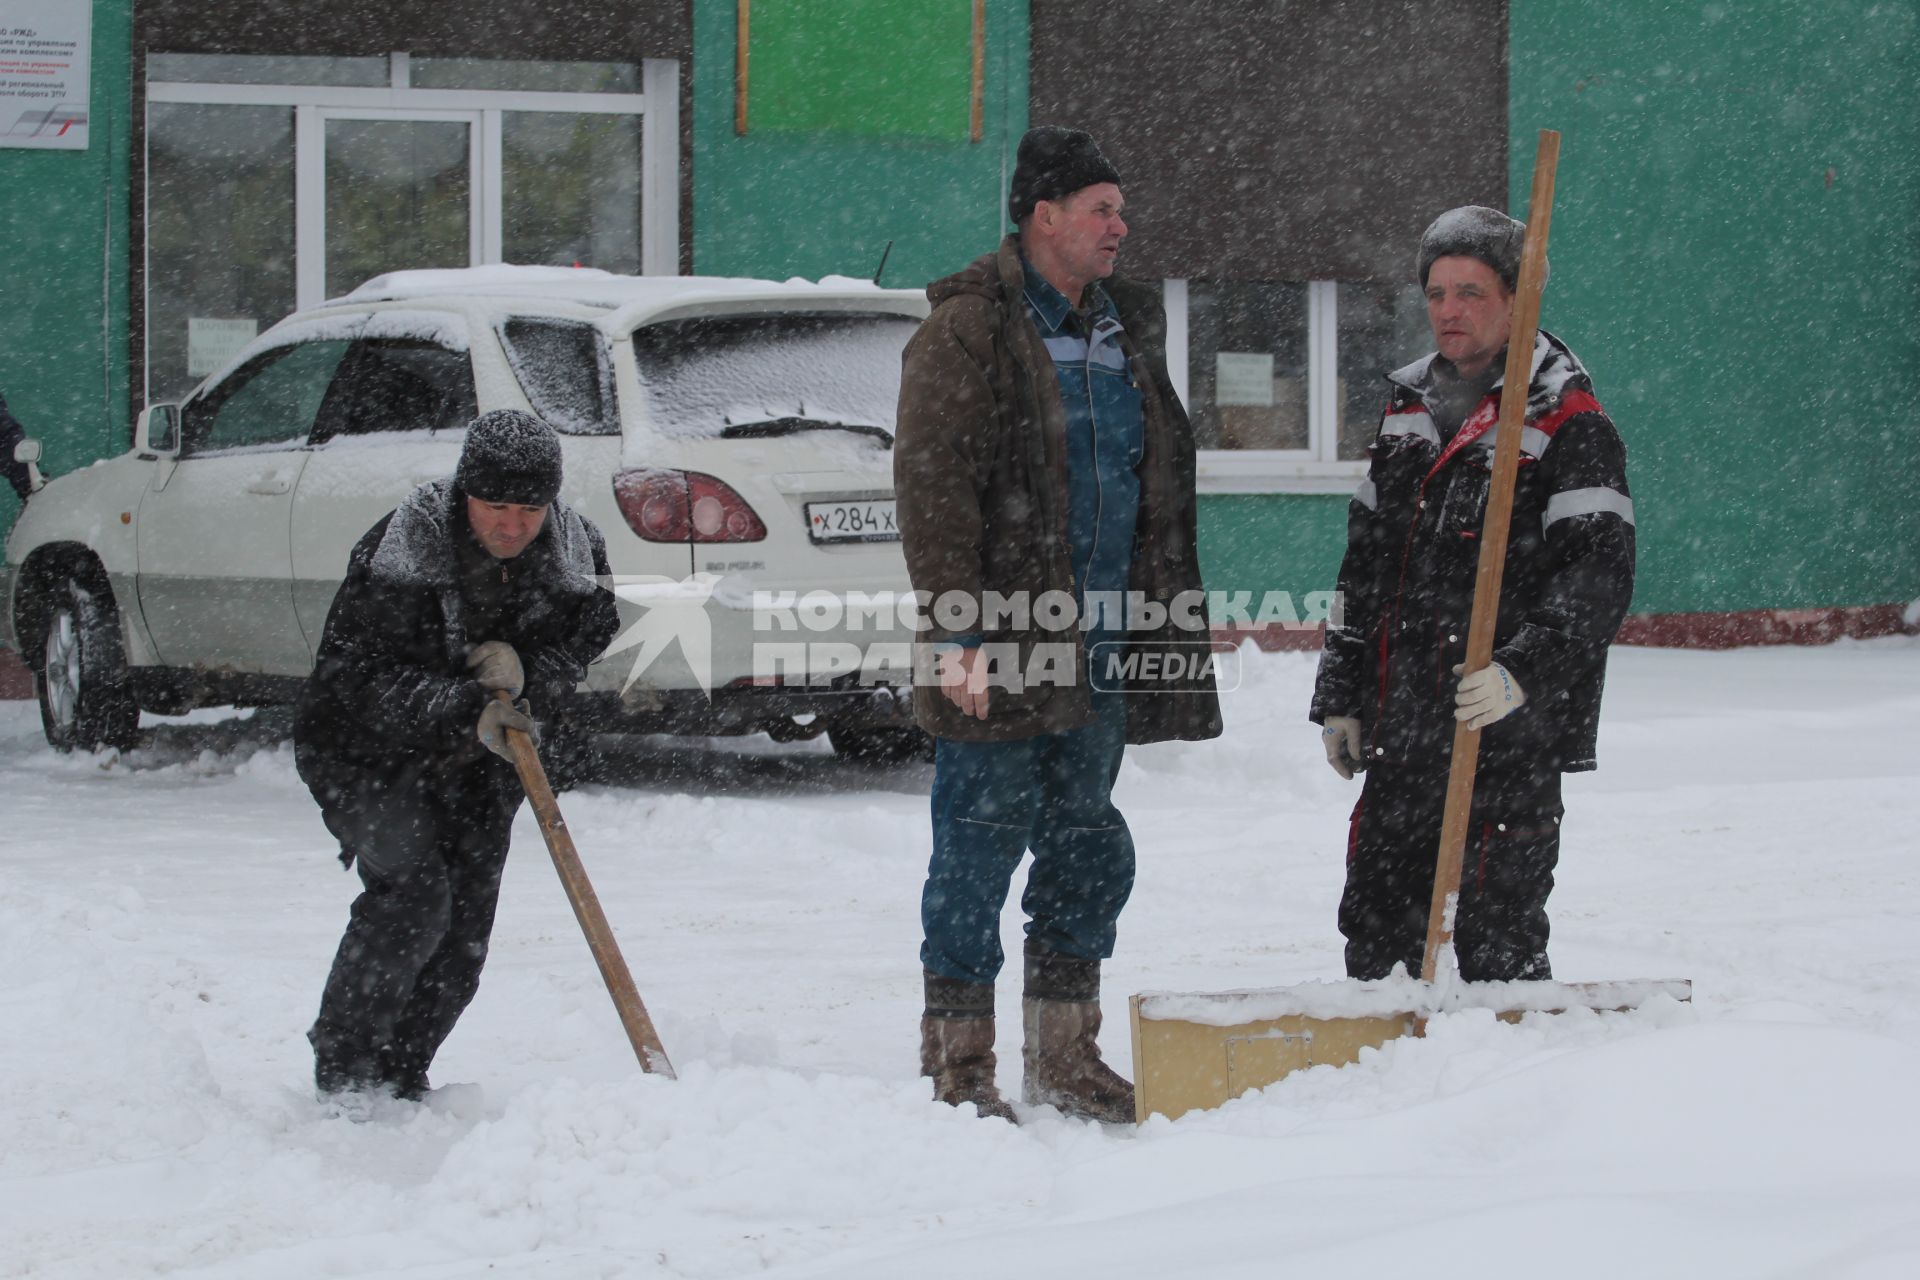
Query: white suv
x=732, y=439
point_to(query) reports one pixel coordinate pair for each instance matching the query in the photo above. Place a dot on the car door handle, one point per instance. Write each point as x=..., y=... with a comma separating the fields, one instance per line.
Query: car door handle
x=272, y=483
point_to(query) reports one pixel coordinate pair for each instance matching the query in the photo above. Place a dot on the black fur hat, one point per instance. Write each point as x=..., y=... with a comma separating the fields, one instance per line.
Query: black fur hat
x=510, y=456
x=1052, y=164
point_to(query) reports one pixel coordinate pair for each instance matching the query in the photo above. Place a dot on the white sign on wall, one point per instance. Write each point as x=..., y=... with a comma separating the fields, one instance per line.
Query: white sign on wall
x=1243, y=377
x=211, y=343
x=46, y=49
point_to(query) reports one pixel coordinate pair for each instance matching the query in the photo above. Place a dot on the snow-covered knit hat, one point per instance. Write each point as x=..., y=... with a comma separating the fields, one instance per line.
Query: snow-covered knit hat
x=1053, y=163
x=1475, y=231
x=510, y=456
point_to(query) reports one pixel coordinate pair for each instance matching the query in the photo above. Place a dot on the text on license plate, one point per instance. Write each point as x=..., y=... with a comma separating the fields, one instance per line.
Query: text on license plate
x=871, y=521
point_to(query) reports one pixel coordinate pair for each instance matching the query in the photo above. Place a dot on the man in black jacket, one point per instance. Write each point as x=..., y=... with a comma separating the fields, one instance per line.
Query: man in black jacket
x=476, y=585
x=1386, y=697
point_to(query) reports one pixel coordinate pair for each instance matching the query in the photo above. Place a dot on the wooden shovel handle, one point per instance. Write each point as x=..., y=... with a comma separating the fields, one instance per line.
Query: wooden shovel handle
x=1493, y=546
x=586, y=905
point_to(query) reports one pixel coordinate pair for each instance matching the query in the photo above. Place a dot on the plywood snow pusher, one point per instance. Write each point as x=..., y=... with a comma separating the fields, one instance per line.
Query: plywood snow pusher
x=1193, y=1051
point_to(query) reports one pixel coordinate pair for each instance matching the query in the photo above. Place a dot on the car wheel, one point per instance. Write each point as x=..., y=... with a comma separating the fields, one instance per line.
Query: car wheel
x=882, y=746
x=86, y=700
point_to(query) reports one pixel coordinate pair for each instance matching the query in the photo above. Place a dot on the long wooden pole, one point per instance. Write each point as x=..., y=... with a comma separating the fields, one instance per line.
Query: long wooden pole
x=977, y=91
x=1493, y=547
x=743, y=20
x=586, y=906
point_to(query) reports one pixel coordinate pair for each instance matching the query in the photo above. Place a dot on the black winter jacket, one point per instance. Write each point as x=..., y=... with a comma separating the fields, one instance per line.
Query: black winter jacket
x=1412, y=554
x=390, y=692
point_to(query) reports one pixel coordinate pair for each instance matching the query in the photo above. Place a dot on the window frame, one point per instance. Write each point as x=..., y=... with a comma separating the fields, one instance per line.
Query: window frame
x=657, y=105
x=1315, y=469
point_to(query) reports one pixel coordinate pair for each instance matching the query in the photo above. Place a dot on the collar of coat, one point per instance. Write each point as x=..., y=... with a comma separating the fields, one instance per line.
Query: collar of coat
x=1052, y=306
x=418, y=548
x=1556, y=371
x=1000, y=279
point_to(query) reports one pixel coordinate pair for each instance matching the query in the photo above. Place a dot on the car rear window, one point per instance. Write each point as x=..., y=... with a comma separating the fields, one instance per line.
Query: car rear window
x=702, y=376
x=562, y=366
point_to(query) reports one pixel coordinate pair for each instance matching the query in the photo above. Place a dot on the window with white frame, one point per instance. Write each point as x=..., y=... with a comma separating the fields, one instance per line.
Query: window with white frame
x=1283, y=380
x=274, y=183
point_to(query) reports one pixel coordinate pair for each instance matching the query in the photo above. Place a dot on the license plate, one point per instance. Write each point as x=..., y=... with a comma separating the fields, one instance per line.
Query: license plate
x=853, y=521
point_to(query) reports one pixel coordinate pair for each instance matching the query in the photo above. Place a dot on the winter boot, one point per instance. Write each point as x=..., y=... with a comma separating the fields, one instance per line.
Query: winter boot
x=341, y=1064
x=1061, y=1057
x=956, y=1046
x=403, y=1075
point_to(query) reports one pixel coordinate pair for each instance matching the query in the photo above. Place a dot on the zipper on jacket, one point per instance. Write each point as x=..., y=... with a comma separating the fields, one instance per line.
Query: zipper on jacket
x=1099, y=491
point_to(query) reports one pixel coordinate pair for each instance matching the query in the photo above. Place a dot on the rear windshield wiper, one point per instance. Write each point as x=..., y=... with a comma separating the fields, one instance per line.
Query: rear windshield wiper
x=789, y=426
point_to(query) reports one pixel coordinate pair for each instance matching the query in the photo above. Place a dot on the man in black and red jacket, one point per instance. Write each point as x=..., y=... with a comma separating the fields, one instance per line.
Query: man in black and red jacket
x=1389, y=688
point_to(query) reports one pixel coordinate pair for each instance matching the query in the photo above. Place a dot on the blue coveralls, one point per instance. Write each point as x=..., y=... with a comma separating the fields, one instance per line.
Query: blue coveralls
x=992, y=801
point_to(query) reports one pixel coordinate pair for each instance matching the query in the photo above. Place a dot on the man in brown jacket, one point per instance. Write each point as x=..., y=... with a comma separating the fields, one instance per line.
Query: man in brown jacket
x=1045, y=476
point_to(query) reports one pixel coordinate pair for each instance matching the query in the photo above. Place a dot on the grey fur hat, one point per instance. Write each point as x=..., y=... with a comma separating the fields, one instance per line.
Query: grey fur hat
x=1475, y=231
x=510, y=456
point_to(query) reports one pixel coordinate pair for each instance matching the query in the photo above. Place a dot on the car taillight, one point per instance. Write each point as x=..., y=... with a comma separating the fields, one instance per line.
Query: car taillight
x=684, y=506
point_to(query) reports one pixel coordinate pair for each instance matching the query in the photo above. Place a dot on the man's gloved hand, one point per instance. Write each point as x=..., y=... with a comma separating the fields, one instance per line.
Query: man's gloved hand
x=497, y=667
x=502, y=716
x=1340, y=735
x=1487, y=695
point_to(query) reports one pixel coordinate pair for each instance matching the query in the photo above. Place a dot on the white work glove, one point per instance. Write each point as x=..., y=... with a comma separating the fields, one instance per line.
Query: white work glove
x=502, y=716
x=497, y=667
x=1488, y=695
x=1340, y=735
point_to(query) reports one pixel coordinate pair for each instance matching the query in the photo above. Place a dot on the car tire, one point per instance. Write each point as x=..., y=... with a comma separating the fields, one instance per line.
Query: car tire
x=882, y=746
x=86, y=700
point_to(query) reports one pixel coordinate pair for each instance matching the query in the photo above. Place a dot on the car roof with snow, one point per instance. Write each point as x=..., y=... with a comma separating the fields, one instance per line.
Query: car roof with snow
x=417, y=304
x=630, y=300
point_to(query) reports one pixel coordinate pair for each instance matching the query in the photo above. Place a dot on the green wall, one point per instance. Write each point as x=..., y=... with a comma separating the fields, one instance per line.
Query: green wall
x=824, y=200
x=1263, y=542
x=63, y=261
x=1736, y=258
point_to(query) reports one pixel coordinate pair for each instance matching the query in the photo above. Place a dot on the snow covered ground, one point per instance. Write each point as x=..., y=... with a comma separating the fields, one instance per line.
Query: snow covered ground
x=166, y=921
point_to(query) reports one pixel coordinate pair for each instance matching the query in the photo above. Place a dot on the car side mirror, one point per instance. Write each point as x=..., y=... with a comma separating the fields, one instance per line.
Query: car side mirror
x=28, y=452
x=158, y=431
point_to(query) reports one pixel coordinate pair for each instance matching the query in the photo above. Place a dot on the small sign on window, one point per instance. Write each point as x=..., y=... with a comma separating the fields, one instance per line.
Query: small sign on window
x=1242, y=377
x=211, y=343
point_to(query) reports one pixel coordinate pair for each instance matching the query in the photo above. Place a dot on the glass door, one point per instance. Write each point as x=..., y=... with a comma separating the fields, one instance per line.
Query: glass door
x=400, y=192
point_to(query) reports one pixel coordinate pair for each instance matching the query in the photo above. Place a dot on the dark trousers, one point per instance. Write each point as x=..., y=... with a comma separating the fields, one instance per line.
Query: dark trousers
x=1513, y=844
x=430, y=851
x=992, y=801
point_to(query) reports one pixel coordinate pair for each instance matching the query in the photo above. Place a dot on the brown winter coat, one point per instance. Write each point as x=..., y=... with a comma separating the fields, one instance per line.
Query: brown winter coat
x=980, y=472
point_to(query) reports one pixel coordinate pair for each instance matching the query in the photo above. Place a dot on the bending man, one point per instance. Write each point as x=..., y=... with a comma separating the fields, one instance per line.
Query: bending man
x=480, y=584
